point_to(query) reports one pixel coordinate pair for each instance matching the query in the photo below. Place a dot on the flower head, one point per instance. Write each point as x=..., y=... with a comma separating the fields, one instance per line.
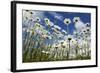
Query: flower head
x=64, y=32
x=27, y=14
x=76, y=19
x=31, y=13
x=57, y=27
x=51, y=24
x=73, y=41
x=55, y=46
x=67, y=21
x=88, y=24
x=69, y=37
x=37, y=25
x=47, y=21
x=88, y=29
x=46, y=52
x=37, y=19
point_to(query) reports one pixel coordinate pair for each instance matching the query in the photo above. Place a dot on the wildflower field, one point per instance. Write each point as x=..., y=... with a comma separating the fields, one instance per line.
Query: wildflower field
x=55, y=36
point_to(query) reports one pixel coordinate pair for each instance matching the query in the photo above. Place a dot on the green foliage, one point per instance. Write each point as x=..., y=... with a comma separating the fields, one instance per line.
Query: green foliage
x=38, y=56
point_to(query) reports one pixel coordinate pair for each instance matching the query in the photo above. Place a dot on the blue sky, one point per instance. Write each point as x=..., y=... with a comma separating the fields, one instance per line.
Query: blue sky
x=85, y=17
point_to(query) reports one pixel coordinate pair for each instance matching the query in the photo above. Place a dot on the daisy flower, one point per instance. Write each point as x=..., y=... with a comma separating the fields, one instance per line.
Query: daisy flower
x=64, y=32
x=47, y=21
x=67, y=21
x=57, y=27
x=37, y=19
x=76, y=19
x=69, y=37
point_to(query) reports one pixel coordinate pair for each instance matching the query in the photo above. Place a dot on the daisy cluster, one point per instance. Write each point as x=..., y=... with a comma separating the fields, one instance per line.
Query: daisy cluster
x=53, y=41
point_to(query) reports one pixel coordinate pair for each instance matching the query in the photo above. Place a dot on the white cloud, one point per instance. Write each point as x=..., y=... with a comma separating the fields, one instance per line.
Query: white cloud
x=56, y=15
